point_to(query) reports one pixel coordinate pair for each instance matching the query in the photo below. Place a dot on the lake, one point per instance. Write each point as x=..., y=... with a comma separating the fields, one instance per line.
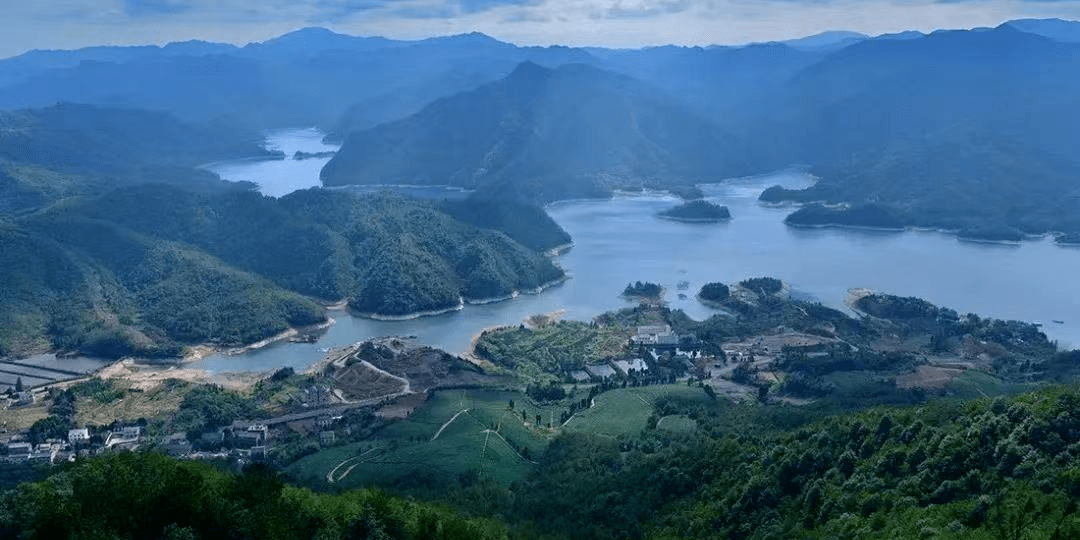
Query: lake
x=621, y=240
x=281, y=177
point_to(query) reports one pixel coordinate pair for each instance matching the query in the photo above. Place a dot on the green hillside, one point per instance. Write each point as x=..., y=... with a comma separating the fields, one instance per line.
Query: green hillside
x=146, y=269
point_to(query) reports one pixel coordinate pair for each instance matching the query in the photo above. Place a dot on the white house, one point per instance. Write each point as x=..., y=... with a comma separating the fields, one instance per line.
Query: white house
x=79, y=436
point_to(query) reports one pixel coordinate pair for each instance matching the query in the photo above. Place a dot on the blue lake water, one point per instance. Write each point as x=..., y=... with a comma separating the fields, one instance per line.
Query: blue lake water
x=621, y=240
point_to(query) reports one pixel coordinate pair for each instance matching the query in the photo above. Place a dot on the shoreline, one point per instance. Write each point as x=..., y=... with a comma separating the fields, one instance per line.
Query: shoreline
x=204, y=350
x=414, y=315
x=955, y=233
x=694, y=220
x=854, y=295
x=462, y=302
x=558, y=250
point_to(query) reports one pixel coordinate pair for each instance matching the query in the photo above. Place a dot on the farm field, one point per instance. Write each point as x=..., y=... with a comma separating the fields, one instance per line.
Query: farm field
x=626, y=411
x=459, y=432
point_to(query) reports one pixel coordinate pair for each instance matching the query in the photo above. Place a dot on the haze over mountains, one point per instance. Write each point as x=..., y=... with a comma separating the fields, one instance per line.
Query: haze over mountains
x=968, y=130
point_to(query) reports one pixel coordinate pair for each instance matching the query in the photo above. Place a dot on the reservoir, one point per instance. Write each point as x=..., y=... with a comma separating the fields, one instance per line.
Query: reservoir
x=621, y=240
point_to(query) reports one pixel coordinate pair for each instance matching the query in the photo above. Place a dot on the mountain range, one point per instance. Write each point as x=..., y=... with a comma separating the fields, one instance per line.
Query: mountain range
x=967, y=130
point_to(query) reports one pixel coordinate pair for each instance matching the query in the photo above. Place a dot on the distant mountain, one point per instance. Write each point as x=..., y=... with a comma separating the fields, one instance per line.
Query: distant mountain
x=307, y=77
x=716, y=81
x=65, y=150
x=832, y=40
x=310, y=42
x=965, y=130
x=543, y=134
x=1056, y=29
x=1004, y=81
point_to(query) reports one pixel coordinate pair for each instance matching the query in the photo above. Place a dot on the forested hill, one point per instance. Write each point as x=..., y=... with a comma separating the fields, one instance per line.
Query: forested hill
x=1001, y=468
x=65, y=150
x=146, y=269
x=542, y=135
x=972, y=131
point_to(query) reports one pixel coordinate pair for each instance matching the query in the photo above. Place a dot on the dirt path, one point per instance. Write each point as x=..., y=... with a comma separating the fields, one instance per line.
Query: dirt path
x=408, y=386
x=330, y=475
x=483, y=451
x=448, y=422
x=592, y=403
x=507, y=443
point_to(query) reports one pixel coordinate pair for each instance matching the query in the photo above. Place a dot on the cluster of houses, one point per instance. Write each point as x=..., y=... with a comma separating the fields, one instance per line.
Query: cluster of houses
x=78, y=442
x=654, y=340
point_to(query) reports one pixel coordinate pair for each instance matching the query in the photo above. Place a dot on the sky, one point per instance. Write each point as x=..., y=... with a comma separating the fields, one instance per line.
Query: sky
x=66, y=24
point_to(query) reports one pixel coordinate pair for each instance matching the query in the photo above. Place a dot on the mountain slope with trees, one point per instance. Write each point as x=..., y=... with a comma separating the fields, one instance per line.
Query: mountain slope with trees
x=146, y=269
x=67, y=150
x=544, y=135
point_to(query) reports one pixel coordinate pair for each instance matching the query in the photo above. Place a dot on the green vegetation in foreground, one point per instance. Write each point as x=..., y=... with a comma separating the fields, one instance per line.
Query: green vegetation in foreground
x=667, y=461
x=146, y=495
x=450, y=440
x=484, y=439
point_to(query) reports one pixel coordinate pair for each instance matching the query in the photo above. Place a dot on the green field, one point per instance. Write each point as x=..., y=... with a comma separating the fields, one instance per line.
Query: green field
x=485, y=436
x=626, y=411
x=974, y=384
x=478, y=438
x=677, y=423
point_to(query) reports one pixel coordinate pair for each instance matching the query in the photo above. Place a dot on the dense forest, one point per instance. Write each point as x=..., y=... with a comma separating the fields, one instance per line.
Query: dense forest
x=144, y=269
x=146, y=495
x=1003, y=467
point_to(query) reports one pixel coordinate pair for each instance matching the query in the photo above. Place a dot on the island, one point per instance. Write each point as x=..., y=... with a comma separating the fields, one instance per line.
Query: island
x=643, y=291
x=300, y=155
x=697, y=211
x=865, y=215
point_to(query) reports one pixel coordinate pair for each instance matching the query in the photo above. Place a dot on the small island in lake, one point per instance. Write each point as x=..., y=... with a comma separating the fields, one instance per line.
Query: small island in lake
x=643, y=292
x=300, y=156
x=698, y=211
x=867, y=215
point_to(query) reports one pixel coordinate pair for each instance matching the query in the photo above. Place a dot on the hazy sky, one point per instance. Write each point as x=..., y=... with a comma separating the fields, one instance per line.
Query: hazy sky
x=30, y=24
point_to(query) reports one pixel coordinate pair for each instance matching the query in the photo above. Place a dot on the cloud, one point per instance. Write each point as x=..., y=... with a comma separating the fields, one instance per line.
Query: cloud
x=619, y=23
x=646, y=8
x=138, y=8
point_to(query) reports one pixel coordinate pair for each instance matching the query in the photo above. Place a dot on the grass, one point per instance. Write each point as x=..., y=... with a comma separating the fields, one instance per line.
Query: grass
x=975, y=384
x=626, y=411
x=478, y=440
x=22, y=417
x=158, y=401
x=677, y=423
x=483, y=438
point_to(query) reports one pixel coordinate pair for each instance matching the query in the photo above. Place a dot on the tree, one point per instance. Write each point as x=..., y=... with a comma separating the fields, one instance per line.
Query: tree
x=18, y=384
